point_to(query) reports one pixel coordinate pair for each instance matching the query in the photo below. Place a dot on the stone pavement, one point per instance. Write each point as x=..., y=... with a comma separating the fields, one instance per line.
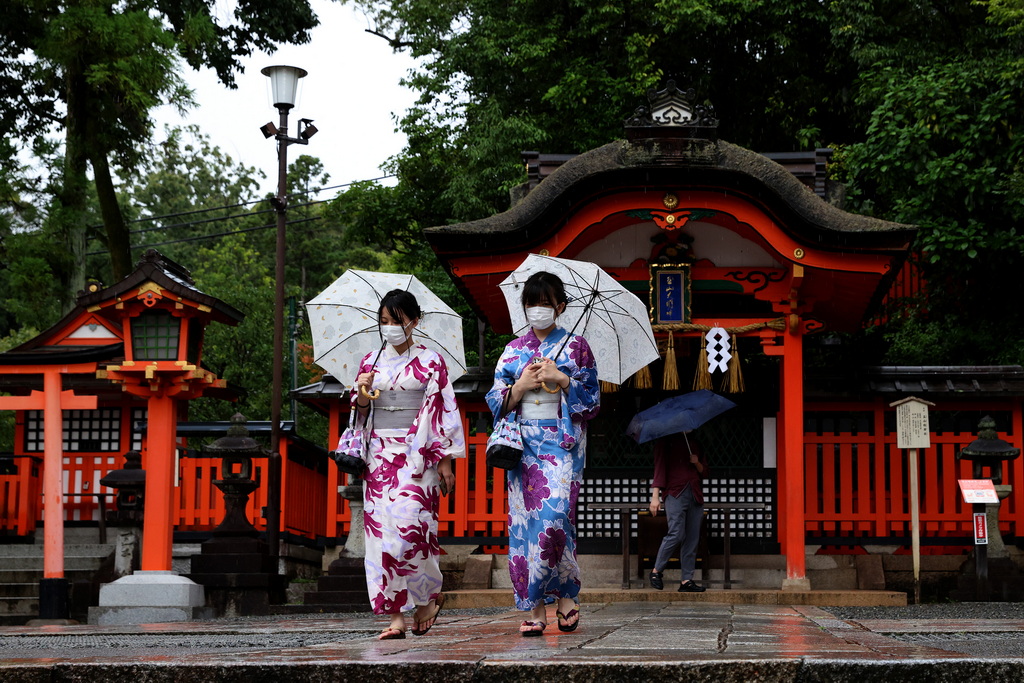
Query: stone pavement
x=616, y=641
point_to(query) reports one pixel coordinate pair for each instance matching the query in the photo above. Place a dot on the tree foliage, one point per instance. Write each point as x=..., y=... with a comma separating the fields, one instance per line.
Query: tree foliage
x=942, y=83
x=920, y=97
x=92, y=70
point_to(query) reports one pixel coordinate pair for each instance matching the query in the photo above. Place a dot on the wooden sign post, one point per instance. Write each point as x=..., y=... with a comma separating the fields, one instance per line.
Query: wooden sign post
x=912, y=432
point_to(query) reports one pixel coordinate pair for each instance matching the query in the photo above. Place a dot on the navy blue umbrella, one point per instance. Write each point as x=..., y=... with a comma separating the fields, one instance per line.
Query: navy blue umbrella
x=677, y=414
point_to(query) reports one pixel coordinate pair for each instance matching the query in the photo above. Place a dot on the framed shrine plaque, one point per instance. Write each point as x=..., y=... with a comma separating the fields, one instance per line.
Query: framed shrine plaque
x=670, y=293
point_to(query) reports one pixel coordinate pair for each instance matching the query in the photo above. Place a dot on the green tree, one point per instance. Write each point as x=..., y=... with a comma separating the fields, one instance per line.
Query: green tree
x=94, y=69
x=921, y=97
x=942, y=84
x=498, y=78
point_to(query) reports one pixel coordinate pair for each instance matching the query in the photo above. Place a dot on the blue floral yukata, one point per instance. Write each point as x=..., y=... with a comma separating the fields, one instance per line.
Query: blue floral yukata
x=543, y=490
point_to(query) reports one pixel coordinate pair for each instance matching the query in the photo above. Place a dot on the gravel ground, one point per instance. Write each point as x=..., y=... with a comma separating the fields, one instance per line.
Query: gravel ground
x=957, y=611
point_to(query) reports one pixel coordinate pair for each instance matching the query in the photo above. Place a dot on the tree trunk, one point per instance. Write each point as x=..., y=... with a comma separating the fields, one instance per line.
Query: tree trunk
x=118, y=238
x=68, y=221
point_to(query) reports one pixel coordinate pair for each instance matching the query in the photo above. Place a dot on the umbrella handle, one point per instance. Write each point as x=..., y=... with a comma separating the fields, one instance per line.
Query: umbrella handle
x=550, y=391
x=372, y=395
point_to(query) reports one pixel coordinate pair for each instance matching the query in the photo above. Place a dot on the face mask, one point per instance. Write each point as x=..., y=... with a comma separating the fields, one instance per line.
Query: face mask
x=540, y=317
x=393, y=334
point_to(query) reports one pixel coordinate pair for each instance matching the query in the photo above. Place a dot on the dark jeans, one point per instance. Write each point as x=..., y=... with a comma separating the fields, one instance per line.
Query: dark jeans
x=684, y=517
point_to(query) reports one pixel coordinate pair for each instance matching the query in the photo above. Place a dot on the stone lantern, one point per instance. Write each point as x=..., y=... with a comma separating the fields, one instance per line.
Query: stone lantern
x=130, y=484
x=993, y=569
x=235, y=566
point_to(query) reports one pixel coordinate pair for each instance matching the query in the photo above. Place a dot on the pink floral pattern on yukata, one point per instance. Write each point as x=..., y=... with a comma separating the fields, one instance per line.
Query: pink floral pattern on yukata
x=400, y=490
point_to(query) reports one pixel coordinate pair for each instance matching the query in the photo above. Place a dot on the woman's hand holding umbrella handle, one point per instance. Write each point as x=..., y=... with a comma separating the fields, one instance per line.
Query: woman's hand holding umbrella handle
x=549, y=372
x=364, y=382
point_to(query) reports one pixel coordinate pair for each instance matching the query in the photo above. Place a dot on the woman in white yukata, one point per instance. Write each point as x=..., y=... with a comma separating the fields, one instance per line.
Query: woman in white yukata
x=416, y=431
x=550, y=377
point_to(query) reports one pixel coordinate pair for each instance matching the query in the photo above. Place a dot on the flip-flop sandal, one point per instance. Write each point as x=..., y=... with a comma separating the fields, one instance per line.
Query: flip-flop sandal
x=532, y=632
x=568, y=628
x=391, y=634
x=439, y=603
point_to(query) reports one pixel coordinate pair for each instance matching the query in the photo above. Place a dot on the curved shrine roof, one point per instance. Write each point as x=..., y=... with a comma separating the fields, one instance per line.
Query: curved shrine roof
x=850, y=258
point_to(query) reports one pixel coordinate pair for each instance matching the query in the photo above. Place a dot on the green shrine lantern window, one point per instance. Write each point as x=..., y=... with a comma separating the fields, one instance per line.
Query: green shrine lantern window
x=155, y=336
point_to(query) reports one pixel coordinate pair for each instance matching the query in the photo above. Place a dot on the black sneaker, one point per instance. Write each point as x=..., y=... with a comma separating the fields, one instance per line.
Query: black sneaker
x=656, y=581
x=691, y=587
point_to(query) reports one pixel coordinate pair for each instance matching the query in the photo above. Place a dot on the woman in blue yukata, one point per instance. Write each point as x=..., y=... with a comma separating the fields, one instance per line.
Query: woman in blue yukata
x=550, y=377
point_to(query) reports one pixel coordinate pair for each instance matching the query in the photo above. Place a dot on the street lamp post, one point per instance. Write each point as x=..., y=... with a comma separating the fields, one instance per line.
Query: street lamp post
x=284, y=82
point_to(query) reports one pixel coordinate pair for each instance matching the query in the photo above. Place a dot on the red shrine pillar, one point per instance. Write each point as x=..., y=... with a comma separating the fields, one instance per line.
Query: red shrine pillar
x=791, y=462
x=53, y=589
x=158, y=522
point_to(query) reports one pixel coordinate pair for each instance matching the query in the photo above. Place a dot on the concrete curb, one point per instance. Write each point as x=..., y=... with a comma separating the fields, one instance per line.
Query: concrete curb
x=473, y=599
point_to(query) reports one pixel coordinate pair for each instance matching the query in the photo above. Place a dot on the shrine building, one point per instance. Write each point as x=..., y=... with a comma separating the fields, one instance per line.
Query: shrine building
x=771, y=267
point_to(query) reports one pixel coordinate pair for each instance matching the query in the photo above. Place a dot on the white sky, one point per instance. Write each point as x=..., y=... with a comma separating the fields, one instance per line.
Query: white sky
x=351, y=93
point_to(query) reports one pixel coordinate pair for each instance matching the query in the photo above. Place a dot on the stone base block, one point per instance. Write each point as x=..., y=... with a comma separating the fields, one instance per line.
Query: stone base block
x=150, y=597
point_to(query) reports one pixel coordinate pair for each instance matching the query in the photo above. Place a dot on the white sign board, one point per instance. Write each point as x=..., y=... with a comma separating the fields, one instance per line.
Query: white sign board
x=912, y=425
x=978, y=490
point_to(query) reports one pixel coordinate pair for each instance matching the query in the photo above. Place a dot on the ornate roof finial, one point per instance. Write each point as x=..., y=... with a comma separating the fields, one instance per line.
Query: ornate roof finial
x=673, y=108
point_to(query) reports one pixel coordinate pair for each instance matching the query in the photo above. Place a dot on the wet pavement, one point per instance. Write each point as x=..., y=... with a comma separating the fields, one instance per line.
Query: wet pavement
x=620, y=641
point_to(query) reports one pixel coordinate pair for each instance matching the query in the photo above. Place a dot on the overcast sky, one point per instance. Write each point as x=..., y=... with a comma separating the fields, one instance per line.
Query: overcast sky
x=351, y=93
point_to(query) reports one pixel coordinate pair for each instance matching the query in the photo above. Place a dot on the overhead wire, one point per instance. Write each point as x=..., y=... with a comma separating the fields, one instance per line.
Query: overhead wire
x=197, y=238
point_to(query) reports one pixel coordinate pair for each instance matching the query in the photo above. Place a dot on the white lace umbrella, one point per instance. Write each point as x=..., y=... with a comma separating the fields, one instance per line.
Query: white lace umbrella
x=343, y=319
x=611, y=318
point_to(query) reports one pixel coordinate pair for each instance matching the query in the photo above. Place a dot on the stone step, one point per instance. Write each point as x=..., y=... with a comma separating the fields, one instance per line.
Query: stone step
x=36, y=550
x=9, y=576
x=338, y=598
x=341, y=583
x=24, y=589
x=74, y=562
x=15, y=609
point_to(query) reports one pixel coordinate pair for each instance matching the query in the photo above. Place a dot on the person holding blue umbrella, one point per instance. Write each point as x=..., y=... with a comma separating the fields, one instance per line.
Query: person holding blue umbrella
x=679, y=468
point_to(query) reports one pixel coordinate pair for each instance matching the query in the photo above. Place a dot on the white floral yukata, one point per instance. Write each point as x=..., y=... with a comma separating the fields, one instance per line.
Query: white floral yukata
x=543, y=490
x=401, y=493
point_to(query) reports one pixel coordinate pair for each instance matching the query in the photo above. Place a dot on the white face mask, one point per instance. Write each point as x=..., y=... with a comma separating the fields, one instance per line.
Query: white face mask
x=540, y=317
x=394, y=334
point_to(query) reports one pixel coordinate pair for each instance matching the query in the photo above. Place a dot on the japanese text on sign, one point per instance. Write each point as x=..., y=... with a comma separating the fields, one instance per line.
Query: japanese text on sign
x=978, y=490
x=980, y=528
x=912, y=425
x=671, y=294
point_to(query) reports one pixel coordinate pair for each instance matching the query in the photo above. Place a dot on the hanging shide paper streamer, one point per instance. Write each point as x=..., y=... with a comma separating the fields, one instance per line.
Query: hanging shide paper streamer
x=670, y=378
x=718, y=349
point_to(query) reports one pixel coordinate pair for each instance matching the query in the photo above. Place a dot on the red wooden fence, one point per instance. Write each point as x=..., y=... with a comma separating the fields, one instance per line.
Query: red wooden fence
x=476, y=508
x=856, y=487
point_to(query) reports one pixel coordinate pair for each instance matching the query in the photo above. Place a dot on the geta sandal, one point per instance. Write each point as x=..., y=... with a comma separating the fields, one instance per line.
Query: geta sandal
x=391, y=634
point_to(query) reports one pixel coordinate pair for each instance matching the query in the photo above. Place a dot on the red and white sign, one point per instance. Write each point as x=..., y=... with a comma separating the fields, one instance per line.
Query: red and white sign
x=980, y=528
x=978, y=490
